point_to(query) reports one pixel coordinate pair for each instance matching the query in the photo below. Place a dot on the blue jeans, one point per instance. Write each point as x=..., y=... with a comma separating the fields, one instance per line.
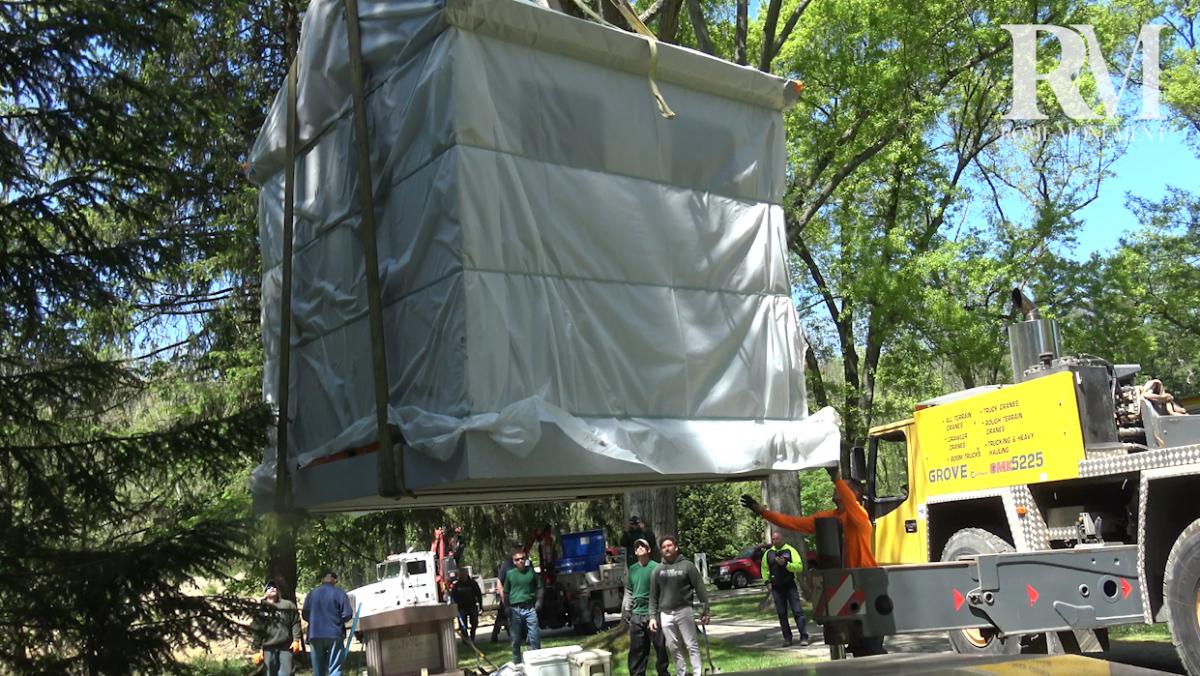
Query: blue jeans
x=327, y=656
x=522, y=623
x=279, y=661
x=789, y=599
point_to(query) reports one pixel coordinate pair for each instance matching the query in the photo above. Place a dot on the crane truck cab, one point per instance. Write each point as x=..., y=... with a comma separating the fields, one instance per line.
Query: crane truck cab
x=1075, y=453
x=404, y=580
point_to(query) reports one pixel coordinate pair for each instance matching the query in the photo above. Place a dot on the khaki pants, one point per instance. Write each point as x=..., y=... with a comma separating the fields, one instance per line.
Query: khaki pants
x=679, y=628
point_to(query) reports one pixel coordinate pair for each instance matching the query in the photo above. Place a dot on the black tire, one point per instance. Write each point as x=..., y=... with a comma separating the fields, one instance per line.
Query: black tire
x=962, y=545
x=741, y=580
x=593, y=622
x=1181, y=595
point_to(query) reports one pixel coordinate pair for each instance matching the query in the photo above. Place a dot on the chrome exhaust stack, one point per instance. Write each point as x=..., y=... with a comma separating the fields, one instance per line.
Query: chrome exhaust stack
x=1033, y=341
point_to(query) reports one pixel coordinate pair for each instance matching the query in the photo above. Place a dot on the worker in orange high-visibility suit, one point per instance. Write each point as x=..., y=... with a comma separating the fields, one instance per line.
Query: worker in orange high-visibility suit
x=857, y=533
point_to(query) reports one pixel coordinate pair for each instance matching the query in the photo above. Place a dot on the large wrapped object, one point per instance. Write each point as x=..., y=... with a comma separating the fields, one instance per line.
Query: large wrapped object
x=579, y=295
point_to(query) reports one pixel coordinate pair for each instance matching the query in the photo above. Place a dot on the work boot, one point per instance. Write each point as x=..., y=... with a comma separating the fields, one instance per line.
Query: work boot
x=787, y=642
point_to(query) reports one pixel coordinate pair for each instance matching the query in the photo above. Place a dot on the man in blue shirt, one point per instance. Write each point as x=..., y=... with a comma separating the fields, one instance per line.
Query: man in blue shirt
x=327, y=610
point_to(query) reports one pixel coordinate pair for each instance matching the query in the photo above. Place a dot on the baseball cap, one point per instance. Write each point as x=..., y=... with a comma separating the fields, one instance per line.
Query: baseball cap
x=642, y=541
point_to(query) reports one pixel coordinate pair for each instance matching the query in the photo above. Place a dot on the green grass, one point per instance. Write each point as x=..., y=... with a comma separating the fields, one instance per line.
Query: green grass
x=212, y=666
x=742, y=607
x=729, y=658
x=725, y=656
x=748, y=608
x=1141, y=632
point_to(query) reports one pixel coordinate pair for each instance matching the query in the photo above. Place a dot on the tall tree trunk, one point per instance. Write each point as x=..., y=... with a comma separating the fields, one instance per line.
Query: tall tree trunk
x=815, y=379
x=281, y=552
x=668, y=21
x=291, y=30
x=741, y=30
x=700, y=27
x=781, y=493
x=768, y=39
x=656, y=507
x=874, y=352
x=612, y=15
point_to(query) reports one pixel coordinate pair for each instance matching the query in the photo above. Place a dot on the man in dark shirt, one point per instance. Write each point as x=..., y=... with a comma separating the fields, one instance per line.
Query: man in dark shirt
x=523, y=591
x=468, y=597
x=674, y=585
x=502, y=609
x=327, y=610
x=780, y=563
x=278, y=625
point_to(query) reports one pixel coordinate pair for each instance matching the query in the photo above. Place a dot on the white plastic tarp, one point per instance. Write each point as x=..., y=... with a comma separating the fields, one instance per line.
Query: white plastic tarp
x=575, y=290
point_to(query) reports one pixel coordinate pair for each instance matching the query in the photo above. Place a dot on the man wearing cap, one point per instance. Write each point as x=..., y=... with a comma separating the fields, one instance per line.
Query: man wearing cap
x=278, y=625
x=327, y=610
x=636, y=530
x=635, y=610
x=523, y=591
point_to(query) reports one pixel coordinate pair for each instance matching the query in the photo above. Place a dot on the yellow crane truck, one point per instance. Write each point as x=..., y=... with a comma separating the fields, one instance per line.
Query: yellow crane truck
x=1079, y=465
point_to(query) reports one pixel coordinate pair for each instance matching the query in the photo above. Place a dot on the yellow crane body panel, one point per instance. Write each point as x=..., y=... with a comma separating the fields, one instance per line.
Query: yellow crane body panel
x=1022, y=434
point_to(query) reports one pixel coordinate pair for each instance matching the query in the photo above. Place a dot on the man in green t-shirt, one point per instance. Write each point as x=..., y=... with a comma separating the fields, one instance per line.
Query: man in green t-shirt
x=523, y=593
x=636, y=611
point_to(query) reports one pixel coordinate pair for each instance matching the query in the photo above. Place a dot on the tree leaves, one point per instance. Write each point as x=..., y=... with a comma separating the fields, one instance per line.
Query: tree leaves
x=112, y=462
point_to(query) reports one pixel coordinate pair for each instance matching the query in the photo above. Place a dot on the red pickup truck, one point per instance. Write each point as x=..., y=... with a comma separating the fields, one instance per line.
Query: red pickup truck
x=739, y=571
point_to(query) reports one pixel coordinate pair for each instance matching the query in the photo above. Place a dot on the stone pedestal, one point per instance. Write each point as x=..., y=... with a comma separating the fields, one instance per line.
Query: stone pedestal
x=405, y=641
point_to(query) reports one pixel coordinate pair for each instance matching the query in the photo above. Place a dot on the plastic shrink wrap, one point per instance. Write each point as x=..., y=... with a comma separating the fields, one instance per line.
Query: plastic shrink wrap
x=579, y=295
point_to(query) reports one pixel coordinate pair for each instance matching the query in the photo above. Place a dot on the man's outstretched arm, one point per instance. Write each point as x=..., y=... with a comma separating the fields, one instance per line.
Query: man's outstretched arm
x=802, y=524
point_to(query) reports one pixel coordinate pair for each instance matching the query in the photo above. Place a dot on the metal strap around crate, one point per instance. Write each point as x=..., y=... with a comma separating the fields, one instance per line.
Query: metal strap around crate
x=391, y=470
x=282, y=489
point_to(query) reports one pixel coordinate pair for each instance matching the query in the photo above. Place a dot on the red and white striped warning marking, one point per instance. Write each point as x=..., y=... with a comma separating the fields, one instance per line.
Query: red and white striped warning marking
x=842, y=599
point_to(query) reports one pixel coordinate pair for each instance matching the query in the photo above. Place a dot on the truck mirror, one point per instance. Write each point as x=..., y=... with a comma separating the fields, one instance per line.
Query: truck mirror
x=858, y=464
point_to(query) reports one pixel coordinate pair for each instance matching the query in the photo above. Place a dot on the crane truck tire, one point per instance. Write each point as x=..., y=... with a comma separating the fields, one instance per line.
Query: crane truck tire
x=1181, y=593
x=962, y=545
x=593, y=621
